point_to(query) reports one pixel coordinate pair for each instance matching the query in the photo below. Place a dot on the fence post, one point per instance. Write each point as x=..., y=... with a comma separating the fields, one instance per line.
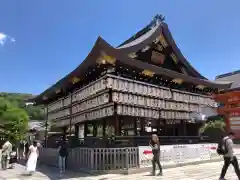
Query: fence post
x=92, y=153
x=126, y=159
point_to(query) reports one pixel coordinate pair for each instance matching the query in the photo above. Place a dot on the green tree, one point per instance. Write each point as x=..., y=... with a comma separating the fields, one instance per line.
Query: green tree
x=213, y=129
x=19, y=100
x=13, y=120
x=35, y=112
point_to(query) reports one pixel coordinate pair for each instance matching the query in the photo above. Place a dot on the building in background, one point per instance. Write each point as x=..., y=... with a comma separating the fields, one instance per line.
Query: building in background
x=229, y=101
x=36, y=130
x=143, y=86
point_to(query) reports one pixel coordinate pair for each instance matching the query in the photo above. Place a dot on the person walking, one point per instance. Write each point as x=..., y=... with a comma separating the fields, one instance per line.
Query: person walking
x=6, y=150
x=63, y=153
x=155, y=145
x=26, y=150
x=13, y=157
x=229, y=157
x=32, y=158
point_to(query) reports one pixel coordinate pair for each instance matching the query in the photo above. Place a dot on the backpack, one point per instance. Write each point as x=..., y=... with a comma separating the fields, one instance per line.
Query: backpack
x=222, y=147
x=63, y=152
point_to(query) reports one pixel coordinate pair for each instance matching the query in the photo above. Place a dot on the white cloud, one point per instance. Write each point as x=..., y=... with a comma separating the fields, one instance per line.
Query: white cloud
x=4, y=38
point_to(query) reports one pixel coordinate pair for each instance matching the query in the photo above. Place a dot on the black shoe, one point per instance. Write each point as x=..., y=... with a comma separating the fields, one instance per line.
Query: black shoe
x=153, y=173
x=160, y=174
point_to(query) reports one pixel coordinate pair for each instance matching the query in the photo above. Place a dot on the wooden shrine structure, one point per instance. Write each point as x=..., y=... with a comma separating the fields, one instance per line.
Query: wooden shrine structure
x=143, y=86
x=229, y=101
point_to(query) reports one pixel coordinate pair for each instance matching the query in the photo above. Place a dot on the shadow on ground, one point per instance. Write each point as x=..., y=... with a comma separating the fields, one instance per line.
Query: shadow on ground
x=52, y=173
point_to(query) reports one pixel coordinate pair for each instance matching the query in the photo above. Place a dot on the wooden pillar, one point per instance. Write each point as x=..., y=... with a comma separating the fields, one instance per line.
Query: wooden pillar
x=104, y=127
x=135, y=126
x=117, y=125
x=70, y=120
x=85, y=128
x=183, y=126
x=142, y=124
x=76, y=130
x=94, y=124
x=64, y=129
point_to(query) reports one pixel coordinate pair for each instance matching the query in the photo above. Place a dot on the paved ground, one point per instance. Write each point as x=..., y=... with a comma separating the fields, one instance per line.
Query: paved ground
x=209, y=171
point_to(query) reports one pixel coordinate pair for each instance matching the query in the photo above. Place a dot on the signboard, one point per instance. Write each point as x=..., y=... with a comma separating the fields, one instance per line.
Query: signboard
x=178, y=154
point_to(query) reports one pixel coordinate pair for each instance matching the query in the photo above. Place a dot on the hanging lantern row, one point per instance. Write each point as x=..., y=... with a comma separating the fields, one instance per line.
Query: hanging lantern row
x=150, y=102
x=95, y=114
x=150, y=113
x=134, y=87
x=144, y=89
x=91, y=103
x=59, y=114
x=79, y=95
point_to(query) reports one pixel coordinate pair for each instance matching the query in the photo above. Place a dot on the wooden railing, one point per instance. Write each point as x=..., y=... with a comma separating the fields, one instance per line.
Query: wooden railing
x=94, y=159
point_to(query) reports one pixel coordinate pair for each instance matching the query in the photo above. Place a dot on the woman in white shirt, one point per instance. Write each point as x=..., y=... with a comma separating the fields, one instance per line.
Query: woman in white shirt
x=32, y=158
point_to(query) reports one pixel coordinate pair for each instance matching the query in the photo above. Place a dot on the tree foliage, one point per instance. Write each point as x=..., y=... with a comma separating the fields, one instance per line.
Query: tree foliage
x=14, y=114
x=213, y=129
x=19, y=100
x=13, y=120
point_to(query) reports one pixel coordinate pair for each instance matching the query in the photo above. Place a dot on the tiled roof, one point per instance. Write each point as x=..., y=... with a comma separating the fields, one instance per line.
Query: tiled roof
x=231, y=77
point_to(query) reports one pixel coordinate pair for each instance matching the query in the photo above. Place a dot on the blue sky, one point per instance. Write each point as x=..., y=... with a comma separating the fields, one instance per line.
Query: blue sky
x=53, y=37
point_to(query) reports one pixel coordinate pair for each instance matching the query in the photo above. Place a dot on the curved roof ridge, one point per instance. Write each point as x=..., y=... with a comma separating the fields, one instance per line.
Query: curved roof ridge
x=228, y=74
x=158, y=27
x=140, y=39
x=178, y=52
x=62, y=81
x=155, y=21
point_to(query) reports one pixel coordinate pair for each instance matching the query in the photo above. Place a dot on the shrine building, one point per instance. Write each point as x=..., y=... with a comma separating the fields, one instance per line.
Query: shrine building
x=229, y=101
x=143, y=86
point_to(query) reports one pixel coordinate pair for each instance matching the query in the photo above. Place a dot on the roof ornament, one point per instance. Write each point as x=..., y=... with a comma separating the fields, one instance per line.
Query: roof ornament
x=157, y=20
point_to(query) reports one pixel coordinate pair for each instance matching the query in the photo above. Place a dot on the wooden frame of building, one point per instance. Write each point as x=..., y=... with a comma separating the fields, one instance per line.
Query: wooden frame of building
x=144, y=85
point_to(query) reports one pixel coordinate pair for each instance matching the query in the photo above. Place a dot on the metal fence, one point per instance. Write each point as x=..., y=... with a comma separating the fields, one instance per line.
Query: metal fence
x=94, y=159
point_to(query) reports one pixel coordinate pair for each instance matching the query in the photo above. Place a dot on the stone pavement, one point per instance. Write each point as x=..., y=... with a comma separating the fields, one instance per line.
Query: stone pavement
x=208, y=171
x=48, y=173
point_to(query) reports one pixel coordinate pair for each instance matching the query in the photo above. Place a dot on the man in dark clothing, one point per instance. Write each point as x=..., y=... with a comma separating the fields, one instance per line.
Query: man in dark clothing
x=155, y=145
x=26, y=150
x=229, y=156
x=63, y=152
